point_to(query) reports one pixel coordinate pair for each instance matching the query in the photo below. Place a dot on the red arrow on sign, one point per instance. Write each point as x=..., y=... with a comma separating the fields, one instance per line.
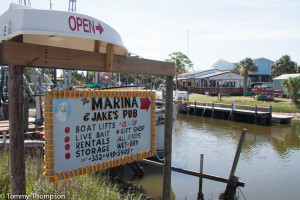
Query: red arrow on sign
x=99, y=28
x=145, y=103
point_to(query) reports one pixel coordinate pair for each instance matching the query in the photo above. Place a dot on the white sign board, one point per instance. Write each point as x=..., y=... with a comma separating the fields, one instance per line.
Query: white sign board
x=95, y=130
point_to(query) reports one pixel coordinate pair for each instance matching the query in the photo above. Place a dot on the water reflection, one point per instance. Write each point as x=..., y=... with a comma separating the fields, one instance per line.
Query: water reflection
x=283, y=138
x=269, y=162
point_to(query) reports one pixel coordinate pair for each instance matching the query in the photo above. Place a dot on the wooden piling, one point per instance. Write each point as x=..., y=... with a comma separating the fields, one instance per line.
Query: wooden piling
x=270, y=118
x=16, y=131
x=168, y=138
x=187, y=108
x=255, y=115
x=233, y=180
x=200, y=193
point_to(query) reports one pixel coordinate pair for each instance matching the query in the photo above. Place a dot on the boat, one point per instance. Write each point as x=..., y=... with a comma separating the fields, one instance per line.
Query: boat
x=265, y=93
x=160, y=129
x=60, y=29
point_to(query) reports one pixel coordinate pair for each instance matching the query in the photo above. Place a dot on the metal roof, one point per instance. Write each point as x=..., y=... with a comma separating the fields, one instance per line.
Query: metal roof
x=286, y=76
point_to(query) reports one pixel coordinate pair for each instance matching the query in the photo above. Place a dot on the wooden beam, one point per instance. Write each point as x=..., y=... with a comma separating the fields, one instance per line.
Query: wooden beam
x=16, y=53
x=109, y=56
x=192, y=173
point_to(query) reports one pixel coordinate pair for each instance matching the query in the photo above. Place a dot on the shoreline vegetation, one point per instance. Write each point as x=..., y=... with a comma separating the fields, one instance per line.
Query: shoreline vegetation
x=282, y=105
x=90, y=186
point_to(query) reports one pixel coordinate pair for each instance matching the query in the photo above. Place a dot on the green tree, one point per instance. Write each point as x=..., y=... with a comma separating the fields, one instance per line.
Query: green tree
x=244, y=67
x=283, y=66
x=182, y=62
x=292, y=86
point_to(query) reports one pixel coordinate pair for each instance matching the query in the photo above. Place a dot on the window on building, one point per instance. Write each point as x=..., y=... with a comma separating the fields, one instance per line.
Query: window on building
x=189, y=83
x=232, y=84
x=214, y=83
x=224, y=84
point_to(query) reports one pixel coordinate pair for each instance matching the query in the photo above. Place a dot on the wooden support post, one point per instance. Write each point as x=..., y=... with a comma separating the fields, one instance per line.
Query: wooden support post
x=109, y=57
x=233, y=180
x=187, y=108
x=255, y=115
x=16, y=131
x=200, y=194
x=238, y=152
x=4, y=141
x=204, y=110
x=168, y=138
x=270, y=119
x=213, y=110
x=54, y=78
x=195, y=108
x=26, y=113
x=231, y=116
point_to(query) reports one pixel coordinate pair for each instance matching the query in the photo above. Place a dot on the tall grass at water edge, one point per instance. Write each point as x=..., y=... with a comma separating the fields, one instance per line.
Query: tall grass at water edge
x=92, y=186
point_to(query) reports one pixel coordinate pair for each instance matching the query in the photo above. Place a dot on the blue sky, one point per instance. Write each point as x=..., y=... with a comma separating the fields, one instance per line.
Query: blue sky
x=227, y=29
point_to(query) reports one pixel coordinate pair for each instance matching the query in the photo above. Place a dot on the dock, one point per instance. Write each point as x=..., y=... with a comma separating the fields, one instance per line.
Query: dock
x=247, y=114
x=33, y=136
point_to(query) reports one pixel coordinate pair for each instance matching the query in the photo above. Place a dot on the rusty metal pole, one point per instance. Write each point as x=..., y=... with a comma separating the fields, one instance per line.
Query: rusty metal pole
x=16, y=131
x=168, y=138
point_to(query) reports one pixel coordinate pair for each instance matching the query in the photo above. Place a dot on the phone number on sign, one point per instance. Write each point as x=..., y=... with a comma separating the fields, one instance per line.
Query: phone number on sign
x=111, y=154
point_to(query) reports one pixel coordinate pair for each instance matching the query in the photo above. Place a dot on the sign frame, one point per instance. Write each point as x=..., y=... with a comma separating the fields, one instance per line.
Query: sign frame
x=49, y=147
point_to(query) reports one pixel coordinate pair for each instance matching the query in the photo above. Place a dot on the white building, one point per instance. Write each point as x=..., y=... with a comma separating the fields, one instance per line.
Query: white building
x=277, y=82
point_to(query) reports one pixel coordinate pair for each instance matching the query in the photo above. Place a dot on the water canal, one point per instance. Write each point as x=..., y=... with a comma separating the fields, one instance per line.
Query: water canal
x=269, y=162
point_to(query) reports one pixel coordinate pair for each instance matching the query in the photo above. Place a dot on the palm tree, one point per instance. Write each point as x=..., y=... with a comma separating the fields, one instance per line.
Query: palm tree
x=292, y=86
x=244, y=67
x=283, y=66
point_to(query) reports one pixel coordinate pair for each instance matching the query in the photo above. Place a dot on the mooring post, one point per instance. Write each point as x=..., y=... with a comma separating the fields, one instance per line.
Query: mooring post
x=200, y=194
x=255, y=115
x=270, y=122
x=213, y=110
x=195, y=108
x=232, y=118
x=16, y=131
x=233, y=180
x=168, y=138
x=238, y=152
x=187, y=108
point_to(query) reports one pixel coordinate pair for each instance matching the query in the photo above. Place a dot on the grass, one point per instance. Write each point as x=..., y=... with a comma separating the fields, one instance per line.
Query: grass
x=93, y=186
x=278, y=105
